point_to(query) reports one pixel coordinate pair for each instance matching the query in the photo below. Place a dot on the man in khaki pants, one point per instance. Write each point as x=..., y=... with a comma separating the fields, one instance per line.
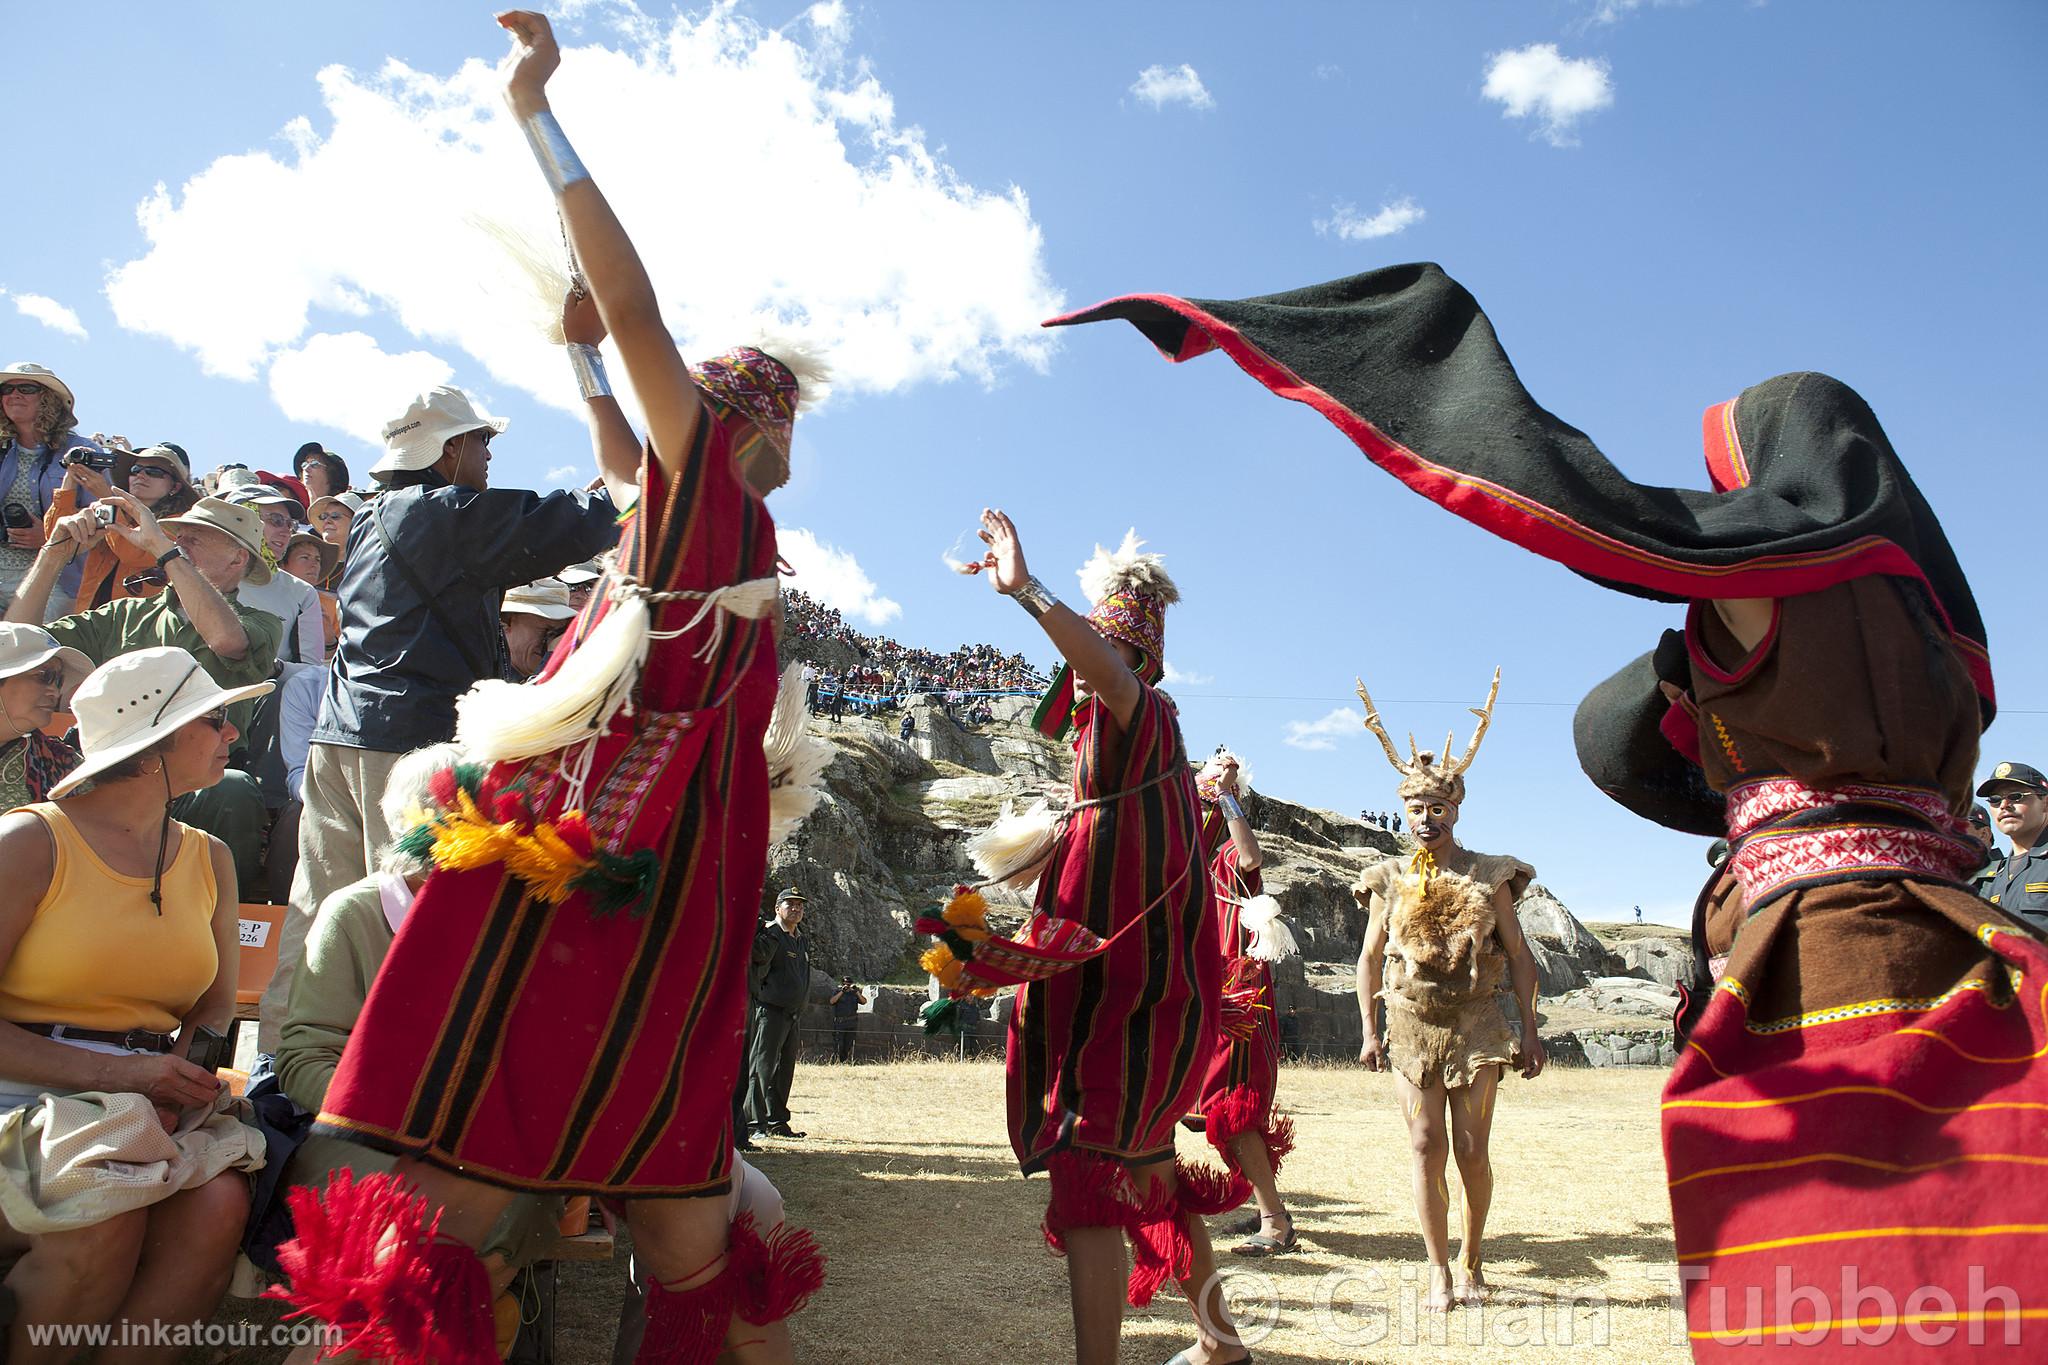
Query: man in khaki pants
x=429, y=561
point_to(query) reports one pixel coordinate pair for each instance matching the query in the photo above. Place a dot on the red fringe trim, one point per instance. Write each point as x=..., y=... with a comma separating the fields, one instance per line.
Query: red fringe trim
x=775, y=1276
x=1088, y=1191
x=1092, y=1191
x=367, y=1263
x=1204, y=1191
x=1160, y=1247
x=1240, y=1110
x=688, y=1326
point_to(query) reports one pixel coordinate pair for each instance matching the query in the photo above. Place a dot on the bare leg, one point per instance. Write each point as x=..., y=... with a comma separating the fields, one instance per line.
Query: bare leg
x=1249, y=1149
x=70, y=1277
x=1471, y=1128
x=188, y=1257
x=681, y=1242
x=1215, y=1331
x=1423, y=1109
x=469, y=1208
x=1097, y=1270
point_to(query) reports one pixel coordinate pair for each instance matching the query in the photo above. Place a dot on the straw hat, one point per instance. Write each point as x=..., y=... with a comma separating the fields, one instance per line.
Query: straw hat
x=131, y=702
x=549, y=598
x=23, y=648
x=37, y=374
x=413, y=441
x=238, y=523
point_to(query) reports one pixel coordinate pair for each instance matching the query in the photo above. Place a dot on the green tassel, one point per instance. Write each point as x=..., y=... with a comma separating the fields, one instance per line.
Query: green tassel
x=417, y=842
x=614, y=883
x=941, y=1016
x=470, y=777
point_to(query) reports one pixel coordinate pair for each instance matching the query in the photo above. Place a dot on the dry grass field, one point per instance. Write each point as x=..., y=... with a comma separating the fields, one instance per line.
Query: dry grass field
x=935, y=1255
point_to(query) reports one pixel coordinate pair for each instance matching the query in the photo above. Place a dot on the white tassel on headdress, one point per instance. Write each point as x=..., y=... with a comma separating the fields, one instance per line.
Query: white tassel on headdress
x=498, y=722
x=1126, y=570
x=1015, y=849
x=1270, y=940
x=542, y=268
x=797, y=759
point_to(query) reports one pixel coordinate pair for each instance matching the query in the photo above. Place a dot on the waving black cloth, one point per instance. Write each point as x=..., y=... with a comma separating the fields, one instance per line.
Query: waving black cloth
x=1807, y=490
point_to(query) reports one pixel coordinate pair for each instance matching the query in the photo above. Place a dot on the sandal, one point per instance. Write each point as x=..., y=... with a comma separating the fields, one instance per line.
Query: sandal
x=1259, y=1244
x=1183, y=1358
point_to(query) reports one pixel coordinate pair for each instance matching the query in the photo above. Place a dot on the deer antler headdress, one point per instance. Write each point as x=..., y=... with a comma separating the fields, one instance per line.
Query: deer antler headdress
x=1423, y=774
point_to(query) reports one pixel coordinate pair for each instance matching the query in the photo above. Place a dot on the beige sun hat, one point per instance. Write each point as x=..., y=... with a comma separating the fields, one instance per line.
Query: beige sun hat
x=25, y=647
x=131, y=702
x=330, y=554
x=348, y=498
x=548, y=597
x=239, y=523
x=164, y=455
x=576, y=575
x=37, y=374
x=413, y=441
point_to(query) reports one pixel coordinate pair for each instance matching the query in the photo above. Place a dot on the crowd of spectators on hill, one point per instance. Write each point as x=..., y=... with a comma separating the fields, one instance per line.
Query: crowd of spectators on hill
x=886, y=670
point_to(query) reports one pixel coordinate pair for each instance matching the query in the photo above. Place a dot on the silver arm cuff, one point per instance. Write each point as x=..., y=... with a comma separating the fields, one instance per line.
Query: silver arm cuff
x=589, y=367
x=1035, y=598
x=1229, y=806
x=558, y=160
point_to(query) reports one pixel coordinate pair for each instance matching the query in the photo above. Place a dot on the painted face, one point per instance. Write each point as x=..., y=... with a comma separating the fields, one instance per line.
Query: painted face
x=1431, y=821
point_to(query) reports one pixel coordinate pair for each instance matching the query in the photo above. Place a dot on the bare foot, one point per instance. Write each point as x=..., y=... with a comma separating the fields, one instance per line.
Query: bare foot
x=1439, y=1297
x=1473, y=1289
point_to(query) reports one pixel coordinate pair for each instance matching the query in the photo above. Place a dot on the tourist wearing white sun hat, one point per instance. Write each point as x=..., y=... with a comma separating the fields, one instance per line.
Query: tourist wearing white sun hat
x=428, y=564
x=119, y=927
x=534, y=615
x=37, y=676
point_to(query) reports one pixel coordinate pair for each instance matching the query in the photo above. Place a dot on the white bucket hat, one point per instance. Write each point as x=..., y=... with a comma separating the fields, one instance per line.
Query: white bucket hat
x=347, y=498
x=37, y=374
x=576, y=575
x=131, y=702
x=239, y=523
x=28, y=647
x=548, y=597
x=414, y=441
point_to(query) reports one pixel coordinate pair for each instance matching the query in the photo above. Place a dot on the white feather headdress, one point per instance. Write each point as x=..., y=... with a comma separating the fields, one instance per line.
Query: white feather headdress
x=1126, y=570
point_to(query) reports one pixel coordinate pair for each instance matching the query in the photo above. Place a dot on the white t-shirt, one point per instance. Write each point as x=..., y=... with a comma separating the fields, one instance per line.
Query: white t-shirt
x=296, y=603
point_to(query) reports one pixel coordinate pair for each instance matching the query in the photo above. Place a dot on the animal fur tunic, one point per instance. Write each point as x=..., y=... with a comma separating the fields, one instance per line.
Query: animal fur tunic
x=1445, y=967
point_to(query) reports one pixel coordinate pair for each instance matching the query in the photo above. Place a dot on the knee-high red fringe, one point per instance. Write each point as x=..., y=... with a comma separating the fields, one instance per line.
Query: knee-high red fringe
x=1240, y=1110
x=368, y=1262
x=774, y=1276
x=1096, y=1191
x=688, y=1326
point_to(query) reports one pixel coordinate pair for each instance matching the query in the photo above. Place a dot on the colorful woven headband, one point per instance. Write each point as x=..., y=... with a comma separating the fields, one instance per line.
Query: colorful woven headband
x=1137, y=619
x=756, y=385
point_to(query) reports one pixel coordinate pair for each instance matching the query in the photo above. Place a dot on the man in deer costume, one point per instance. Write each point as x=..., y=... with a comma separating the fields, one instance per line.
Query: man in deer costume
x=1440, y=934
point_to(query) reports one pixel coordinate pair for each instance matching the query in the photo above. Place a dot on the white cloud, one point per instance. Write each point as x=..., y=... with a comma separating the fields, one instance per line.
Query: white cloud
x=1346, y=222
x=345, y=380
x=1174, y=676
x=1614, y=11
x=1160, y=86
x=763, y=178
x=50, y=313
x=1558, y=90
x=833, y=576
x=564, y=475
x=1343, y=723
x=1328, y=71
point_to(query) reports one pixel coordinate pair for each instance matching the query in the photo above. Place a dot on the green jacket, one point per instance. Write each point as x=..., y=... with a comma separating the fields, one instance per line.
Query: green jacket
x=131, y=623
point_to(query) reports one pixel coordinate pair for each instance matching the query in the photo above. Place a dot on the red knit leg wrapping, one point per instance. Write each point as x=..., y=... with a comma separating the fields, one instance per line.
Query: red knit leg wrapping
x=1204, y=1191
x=773, y=1276
x=1241, y=1110
x=368, y=1263
x=1088, y=1191
x=1160, y=1248
x=688, y=1326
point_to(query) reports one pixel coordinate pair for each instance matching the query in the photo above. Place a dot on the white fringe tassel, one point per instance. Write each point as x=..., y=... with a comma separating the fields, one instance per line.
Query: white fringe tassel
x=797, y=759
x=1271, y=939
x=1015, y=849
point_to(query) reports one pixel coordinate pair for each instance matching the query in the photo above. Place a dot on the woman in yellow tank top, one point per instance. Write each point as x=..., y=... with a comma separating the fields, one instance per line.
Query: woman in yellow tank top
x=118, y=927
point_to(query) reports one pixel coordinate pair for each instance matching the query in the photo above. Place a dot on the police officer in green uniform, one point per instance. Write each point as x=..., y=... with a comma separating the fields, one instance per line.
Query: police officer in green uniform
x=779, y=979
x=2018, y=796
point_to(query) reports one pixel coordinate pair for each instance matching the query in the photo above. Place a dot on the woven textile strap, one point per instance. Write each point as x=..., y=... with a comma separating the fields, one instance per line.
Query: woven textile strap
x=1785, y=834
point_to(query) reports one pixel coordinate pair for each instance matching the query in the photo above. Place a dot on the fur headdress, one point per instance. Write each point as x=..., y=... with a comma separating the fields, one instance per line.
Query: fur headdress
x=1426, y=775
x=1130, y=592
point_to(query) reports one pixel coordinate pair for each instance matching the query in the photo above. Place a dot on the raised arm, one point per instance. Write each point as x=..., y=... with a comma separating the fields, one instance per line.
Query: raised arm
x=611, y=436
x=213, y=616
x=618, y=281
x=1096, y=659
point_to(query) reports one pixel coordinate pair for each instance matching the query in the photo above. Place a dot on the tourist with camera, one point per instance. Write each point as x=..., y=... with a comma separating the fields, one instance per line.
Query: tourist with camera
x=37, y=428
x=158, y=477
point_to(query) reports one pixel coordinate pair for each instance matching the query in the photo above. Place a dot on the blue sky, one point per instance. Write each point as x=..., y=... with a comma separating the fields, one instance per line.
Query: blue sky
x=1694, y=197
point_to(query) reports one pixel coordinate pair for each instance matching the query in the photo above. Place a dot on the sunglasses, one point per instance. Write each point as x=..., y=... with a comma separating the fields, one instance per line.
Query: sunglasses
x=154, y=471
x=217, y=718
x=2010, y=799
x=327, y=514
x=277, y=519
x=49, y=675
x=10, y=389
